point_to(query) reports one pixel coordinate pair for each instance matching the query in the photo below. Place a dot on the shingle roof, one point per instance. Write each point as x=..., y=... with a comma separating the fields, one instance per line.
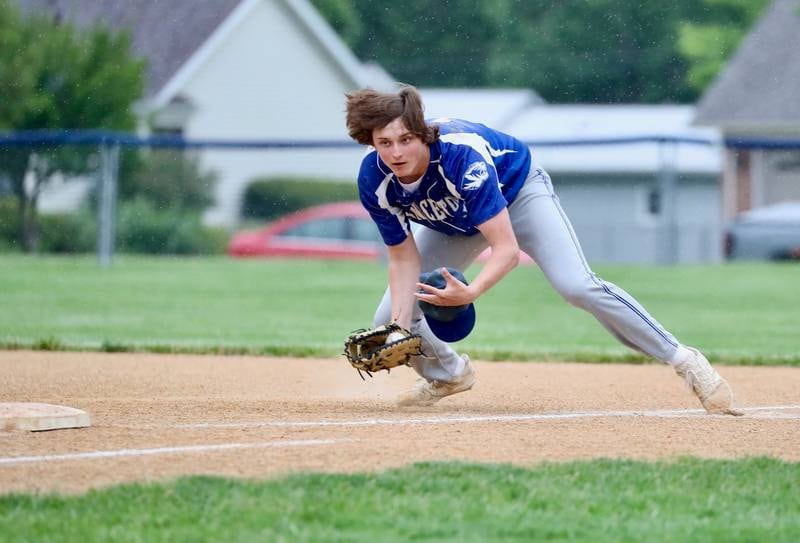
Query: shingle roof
x=759, y=89
x=165, y=32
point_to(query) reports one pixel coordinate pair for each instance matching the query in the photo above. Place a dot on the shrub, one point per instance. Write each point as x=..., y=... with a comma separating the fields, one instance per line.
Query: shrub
x=73, y=233
x=9, y=222
x=167, y=178
x=58, y=233
x=269, y=198
x=141, y=228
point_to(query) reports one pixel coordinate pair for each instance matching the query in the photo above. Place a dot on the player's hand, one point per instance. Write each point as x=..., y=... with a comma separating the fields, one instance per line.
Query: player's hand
x=454, y=293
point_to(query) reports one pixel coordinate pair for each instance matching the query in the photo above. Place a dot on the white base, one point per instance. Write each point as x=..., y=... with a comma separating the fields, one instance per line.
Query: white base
x=38, y=417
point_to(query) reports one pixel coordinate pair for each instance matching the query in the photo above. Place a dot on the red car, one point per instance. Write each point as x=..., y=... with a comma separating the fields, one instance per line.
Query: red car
x=342, y=230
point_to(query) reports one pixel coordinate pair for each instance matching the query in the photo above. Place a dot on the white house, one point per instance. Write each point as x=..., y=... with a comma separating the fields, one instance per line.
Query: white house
x=275, y=70
x=757, y=97
x=645, y=202
x=238, y=70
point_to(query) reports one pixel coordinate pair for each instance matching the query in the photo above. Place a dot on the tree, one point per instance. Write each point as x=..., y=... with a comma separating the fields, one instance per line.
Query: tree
x=430, y=42
x=343, y=17
x=604, y=51
x=706, y=45
x=60, y=79
x=567, y=50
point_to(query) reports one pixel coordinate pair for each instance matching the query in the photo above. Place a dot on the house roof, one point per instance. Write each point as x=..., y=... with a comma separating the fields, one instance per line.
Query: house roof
x=758, y=90
x=165, y=33
x=494, y=107
x=541, y=124
x=176, y=35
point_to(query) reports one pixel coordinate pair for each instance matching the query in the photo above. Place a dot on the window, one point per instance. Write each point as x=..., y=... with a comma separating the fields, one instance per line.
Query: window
x=654, y=201
x=363, y=230
x=328, y=228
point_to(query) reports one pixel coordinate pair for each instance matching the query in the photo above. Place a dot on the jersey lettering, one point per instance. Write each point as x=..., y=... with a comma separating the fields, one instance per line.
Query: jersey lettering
x=474, y=173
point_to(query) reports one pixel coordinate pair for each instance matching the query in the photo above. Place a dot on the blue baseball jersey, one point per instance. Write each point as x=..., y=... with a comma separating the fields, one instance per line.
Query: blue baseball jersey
x=473, y=174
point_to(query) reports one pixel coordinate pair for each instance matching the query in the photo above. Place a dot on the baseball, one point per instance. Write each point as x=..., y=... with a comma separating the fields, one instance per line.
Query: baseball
x=394, y=336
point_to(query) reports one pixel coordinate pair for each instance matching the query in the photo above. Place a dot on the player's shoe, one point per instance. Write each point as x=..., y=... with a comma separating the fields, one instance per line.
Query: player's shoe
x=710, y=388
x=425, y=393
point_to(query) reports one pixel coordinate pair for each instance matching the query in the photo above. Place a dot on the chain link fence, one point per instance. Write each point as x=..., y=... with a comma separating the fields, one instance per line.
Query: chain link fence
x=103, y=193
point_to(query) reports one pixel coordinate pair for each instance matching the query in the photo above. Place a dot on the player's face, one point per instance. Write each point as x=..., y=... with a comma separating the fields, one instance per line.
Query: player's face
x=401, y=150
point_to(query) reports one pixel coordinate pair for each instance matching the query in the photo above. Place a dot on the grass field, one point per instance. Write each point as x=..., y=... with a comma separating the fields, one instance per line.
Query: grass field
x=608, y=500
x=736, y=313
x=745, y=314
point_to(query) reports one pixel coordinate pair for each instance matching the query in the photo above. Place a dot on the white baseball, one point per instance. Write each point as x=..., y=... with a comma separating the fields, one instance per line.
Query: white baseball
x=394, y=336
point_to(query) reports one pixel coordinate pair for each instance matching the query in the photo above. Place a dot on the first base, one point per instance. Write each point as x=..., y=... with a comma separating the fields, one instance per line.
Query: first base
x=38, y=417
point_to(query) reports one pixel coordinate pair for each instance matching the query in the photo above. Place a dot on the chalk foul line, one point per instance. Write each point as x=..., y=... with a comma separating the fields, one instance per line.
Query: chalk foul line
x=764, y=411
x=93, y=455
x=760, y=412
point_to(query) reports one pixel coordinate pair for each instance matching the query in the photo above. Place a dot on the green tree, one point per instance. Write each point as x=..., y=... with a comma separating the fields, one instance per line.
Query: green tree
x=430, y=42
x=343, y=17
x=567, y=50
x=706, y=45
x=604, y=51
x=60, y=79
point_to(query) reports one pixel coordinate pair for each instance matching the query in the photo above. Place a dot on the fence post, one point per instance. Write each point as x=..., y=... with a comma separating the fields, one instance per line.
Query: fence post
x=109, y=169
x=668, y=187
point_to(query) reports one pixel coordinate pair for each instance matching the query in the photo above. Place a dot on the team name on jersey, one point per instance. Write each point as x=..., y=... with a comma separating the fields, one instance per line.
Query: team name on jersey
x=434, y=210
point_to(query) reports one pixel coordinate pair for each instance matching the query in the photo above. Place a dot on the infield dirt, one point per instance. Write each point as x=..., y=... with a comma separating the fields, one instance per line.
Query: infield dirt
x=157, y=417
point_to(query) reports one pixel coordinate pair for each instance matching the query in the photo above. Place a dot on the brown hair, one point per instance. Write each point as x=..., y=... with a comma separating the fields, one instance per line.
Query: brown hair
x=368, y=109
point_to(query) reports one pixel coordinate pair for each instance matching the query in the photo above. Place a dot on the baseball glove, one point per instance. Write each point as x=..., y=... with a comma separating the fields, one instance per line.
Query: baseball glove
x=368, y=351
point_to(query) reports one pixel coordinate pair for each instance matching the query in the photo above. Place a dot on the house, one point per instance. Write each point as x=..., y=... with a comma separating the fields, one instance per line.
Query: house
x=643, y=202
x=653, y=199
x=239, y=70
x=755, y=102
x=275, y=70
x=493, y=107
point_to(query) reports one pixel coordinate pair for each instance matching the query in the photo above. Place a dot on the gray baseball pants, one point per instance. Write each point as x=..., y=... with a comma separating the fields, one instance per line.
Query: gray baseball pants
x=544, y=232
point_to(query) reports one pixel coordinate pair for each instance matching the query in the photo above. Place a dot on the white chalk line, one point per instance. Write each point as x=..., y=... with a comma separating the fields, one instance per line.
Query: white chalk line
x=93, y=455
x=762, y=412
x=768, y=412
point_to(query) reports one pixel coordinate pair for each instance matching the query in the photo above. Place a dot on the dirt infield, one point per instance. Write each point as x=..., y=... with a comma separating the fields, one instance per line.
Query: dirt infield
x=158, y=417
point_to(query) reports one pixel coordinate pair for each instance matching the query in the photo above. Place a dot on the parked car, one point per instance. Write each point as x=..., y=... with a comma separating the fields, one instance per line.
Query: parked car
x=342, y=230
x=765, y=233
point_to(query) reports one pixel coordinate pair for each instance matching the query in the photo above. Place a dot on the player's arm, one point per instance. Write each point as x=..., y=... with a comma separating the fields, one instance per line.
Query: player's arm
x=404, y=270
x=505, y=256
x=505, y=252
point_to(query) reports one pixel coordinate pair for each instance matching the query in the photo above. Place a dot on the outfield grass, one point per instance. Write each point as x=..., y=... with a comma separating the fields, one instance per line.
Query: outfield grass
x=744, y=313
x=600, y=501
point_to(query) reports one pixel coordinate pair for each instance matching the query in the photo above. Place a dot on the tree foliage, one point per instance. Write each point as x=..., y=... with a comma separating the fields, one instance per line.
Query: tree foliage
x=59, y=78
x=707, y=44
x=603, y=51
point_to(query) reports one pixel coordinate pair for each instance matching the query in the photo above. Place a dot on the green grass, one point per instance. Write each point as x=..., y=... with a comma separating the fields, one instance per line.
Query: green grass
x=599, y=501
x=745, y=314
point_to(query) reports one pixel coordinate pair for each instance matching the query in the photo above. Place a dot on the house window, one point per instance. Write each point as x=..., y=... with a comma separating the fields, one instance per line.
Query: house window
x=654, y=201
x=163, y=131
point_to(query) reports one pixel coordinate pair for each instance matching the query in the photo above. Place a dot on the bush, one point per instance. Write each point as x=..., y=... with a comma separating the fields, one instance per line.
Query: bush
x=9, y=222
x=73, y=233
x=168, y=178
x=269, y=198
x=141, y=228
x=58, y=233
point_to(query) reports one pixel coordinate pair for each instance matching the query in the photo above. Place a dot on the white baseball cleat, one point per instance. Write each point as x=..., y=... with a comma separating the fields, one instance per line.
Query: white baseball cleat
x=425, y=393
x=711, y=389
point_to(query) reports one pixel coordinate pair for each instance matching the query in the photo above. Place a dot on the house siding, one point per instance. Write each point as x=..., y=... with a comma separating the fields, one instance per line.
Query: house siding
x=283, y=86
x=611, y=216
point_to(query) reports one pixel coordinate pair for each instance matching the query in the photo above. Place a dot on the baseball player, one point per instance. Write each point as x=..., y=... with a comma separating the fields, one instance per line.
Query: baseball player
x=469, y=187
